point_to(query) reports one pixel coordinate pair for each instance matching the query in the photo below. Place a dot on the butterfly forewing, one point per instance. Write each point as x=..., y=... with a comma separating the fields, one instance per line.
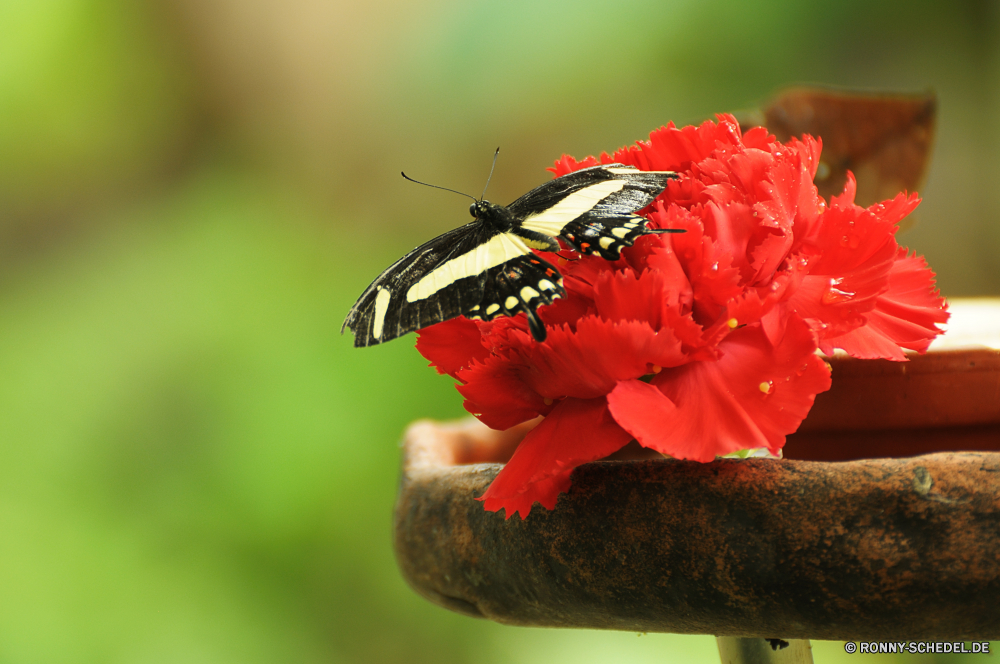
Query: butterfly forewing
x=591, y=210
x=395, y=303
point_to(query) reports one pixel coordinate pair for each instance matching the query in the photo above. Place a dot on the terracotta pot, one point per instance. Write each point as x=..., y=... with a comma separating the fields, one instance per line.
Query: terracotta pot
x=833, y=542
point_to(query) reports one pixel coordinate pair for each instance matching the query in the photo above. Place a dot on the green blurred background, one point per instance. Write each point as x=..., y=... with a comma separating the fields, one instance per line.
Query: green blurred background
x=196, y=466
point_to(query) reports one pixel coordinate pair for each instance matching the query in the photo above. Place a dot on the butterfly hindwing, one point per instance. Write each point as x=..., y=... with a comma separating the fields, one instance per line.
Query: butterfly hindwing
x=592, y=210
x=520, y=285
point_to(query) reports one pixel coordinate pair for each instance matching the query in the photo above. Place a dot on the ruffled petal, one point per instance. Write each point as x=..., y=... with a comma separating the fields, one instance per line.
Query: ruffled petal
x=911, y=309
x=452, y=345
x=731, y=228
x=647, y=296
x=708, y=264
x=567, y=164
x=673, y=148
x=752, y=396
x=496, y=395
x=897, y=209
x=854, y=253
x=575, y=432
x=749, y=172
x=788, y=199
x=589, y=362
x=905, y=316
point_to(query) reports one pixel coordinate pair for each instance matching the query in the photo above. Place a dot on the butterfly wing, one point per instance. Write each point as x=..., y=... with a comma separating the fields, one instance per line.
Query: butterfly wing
x=520, y=284
x=387, y=309
x=592, y=209
x=471, y=270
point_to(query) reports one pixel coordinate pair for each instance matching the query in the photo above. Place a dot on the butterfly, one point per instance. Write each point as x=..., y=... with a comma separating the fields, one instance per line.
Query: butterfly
x=487, y=268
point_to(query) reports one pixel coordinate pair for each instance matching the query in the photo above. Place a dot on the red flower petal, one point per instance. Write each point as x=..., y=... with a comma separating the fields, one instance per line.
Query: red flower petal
x=671, y=148
x=854, y=252
x=567, y=164
x=452, y=345
x=906, y=315
x=567, y=310
x=895, y=210
x=911, y=308
x=758, y=137
x=575, y=432
x=750, y=171
x=753, y=396
x=708, y=263
x=788, y=198
x=768, y=253
x=625, y=295
x=589, y=362
x=730, y=227
x=495, y=393
x=663, y=259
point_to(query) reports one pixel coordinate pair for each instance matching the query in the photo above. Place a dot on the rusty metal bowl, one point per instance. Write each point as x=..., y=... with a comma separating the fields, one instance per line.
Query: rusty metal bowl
x=842, y=539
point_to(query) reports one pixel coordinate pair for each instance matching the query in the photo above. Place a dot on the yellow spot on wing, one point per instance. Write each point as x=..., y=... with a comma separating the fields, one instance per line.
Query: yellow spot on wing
x=511, y=302
x=381, y=306
x=606, y=242
x=620, y=232
x=528, y=292
x=492, y=309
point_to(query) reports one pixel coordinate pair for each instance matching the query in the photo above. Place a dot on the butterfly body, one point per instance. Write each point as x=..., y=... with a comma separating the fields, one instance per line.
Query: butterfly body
x=487, y=268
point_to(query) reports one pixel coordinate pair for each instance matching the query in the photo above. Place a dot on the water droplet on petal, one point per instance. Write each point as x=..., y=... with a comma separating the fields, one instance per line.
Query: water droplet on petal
x=766, y=387
x=836, y=295
x=548, y=402
x=732, y=323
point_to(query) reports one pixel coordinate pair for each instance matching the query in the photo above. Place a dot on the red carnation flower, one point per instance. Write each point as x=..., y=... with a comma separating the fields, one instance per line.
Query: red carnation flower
x=697, y=344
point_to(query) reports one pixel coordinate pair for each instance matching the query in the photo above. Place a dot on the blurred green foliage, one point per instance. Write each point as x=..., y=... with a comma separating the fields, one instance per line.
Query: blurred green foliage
x=195, y=466
x=92, y=101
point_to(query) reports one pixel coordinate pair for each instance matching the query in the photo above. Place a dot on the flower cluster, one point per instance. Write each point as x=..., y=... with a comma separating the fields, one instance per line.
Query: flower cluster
x=701, y=343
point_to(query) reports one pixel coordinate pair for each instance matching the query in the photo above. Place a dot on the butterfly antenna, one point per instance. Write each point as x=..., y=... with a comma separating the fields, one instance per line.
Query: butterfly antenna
x=495, y=155
x=435, y=186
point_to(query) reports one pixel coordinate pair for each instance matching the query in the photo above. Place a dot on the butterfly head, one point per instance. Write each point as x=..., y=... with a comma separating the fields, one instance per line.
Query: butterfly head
x=479, y=209
x=494, y=216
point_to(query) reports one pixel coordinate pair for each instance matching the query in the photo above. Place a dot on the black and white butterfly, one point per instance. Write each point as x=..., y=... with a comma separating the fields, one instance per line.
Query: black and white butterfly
x=487, y=268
